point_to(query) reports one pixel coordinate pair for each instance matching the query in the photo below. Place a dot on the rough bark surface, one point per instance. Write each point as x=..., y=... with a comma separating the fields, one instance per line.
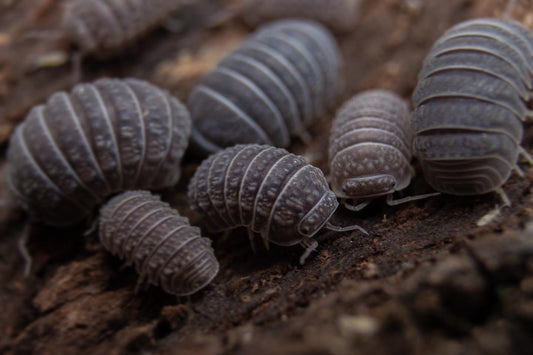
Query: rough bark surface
x=443, y=276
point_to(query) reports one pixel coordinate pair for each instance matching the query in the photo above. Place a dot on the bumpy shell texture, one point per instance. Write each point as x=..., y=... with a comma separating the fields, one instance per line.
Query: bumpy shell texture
x=271, y=88
x=370, y=146
x=165, y=249
x=266, y=189
x=338, y=15
x=469, y=103
x=101, y=138
x=101, y=27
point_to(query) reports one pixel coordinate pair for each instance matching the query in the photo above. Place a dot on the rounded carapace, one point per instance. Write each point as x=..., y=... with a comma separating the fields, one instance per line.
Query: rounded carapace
x=469, y=102
x=99, y=139
x=165, y=249
x=267, y=190
x=271, y=88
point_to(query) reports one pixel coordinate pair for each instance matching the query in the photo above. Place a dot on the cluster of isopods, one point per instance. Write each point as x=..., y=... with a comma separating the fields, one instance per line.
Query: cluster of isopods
x=114, y=138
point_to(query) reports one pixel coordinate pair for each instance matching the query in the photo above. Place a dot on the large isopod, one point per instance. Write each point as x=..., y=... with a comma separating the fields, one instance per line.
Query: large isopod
x=100, y=138
x=267, y=190
x=165, y=249
x=271, y=88
x=100, y=27
x=339, y=15
x=470, y=100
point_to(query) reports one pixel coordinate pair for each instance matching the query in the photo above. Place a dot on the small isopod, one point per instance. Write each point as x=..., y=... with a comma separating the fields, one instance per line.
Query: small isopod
x=100, y=27
x=101, y=138
x=370, y=149
x=339, y=15
x=470, y=100
x=267, y=190
x=165, y=249
x=269, y=89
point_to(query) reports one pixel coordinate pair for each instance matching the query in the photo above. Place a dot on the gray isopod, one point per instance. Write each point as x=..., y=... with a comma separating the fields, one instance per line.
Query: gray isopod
x=370, y=149
x=102, y=26
x=165, y=249
x=101, y=138
x=339, y=15
x=267, y=190
x=269, y=89
x=469, y=103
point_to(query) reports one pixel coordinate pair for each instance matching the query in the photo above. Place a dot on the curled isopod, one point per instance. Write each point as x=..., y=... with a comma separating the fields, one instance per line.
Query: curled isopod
x=267, y=190
x=469, y=103
x=370, y=149
x=339, y=15
x=99, y=27
x=165, y=249
x=269, y=89
x=101, y=138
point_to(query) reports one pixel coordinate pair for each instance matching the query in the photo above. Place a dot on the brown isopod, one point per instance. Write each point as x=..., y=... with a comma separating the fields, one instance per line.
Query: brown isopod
x=370, y=149
x=267, y=190
x=102, y=26
x=338, y=15
x=165, y=249
x=101, y=138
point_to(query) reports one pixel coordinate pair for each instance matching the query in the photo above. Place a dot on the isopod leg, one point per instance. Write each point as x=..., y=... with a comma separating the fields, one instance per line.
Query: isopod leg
x=304, y=136
x=392, y=202
x=335, y=228
x=310, y=245
x=76, y=67
x=357, y=207
x=23, y=249
x=251, y=237
x=503, y=196
x=524, y=153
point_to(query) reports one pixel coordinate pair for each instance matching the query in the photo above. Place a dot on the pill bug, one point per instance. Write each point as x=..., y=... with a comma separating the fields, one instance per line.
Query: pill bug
x=469, y=103
x=269, y=89
x=370, y=149
x=101, y=138
x=338, y=15
x=165, y=249
x=101, y=27
x=267, y=190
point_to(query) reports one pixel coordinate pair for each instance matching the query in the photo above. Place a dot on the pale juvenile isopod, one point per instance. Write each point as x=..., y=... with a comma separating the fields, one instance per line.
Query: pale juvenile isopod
x=339, y=15
x=100, y=27
x=470, y=100
x=267, y=190
x=370, y=149
x=271, y=88
x=165, y=249
x=101, y=138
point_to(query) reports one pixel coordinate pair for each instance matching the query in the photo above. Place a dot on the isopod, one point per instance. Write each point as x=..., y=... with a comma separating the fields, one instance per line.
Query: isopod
x=165, y=249
x=370, y=149
x=339, y=15
x=269, y=89
x=101, y=27
x=267, y=190
x=469, y=103
x=101, y=138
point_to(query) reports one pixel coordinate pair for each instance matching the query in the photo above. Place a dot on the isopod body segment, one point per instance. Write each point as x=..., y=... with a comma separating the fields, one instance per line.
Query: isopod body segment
x=370, y=146
x=339, y=15
x=469, y=102
x=265, y=189
x=165, y=249
x=269, y=89
x=101, y=27
x=100, y=138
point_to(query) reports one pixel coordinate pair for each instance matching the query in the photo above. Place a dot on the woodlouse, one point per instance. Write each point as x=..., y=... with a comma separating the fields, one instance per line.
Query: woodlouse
x=469, y=103
x=269, y=89
x=370, y=148
x=101, y=138
x=339, y=15
x=103, y=26
x=165, y=249
x=267, y=190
